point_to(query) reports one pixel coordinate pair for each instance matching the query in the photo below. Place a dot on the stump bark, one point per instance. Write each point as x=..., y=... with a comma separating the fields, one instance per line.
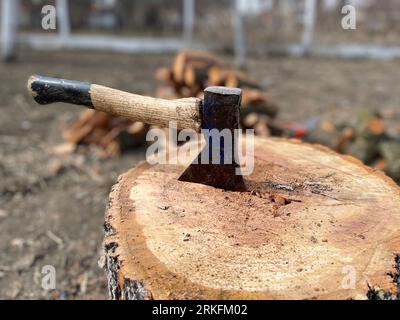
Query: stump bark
x=312, y=224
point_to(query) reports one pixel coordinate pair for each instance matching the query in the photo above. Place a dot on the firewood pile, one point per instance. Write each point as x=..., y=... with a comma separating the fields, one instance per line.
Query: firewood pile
x=112, y=134
x=374, y=139
x=192, y=71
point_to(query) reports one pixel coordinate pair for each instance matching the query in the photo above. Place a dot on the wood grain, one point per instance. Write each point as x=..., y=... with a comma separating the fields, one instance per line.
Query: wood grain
x=310, y=216
x=186, y=111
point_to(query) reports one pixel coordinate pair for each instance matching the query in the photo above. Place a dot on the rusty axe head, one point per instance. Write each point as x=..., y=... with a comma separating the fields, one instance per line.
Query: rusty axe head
x=216, y=165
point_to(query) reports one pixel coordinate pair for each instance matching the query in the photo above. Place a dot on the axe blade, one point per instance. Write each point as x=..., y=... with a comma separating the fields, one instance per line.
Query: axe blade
x=220, y=111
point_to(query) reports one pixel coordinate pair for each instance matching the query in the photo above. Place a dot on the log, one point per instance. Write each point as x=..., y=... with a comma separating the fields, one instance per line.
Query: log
x=261, y=127
x=196, y=75
x=312, y=224
x=326, y=134
x=126, y=136
x=165, y=77
x=239, y=79
x=185, y=57
x=88, y=120
x=112, y=134
x=390, y=151
x=220, y=76
x=165, y=91
x=217, y=76
x=250, y=96
x=164, y=74
x=258, y=122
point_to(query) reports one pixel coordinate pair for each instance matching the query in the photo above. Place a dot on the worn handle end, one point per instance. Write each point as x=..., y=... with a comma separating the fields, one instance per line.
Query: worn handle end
x=47, y=90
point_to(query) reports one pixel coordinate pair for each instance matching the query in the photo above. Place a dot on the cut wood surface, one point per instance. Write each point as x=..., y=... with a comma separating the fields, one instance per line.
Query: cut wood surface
x=310, y=222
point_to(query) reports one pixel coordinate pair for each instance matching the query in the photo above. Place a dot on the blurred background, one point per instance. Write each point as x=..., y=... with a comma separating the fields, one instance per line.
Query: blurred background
x=303, y=75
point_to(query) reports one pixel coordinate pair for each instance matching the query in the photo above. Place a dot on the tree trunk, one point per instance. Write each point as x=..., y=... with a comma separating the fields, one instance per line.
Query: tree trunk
x=312, y=224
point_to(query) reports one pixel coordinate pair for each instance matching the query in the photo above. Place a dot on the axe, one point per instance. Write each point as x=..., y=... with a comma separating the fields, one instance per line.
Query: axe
x=219, y=110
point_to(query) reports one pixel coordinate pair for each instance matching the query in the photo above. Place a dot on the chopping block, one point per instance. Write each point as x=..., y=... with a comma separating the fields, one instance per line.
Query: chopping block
x=311, y=224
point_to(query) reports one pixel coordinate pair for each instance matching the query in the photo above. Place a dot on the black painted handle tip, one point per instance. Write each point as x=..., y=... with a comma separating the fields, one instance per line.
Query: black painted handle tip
x=45, y=90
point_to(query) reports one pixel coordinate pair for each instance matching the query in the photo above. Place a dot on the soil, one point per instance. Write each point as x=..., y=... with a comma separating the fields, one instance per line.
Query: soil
x=52, y=203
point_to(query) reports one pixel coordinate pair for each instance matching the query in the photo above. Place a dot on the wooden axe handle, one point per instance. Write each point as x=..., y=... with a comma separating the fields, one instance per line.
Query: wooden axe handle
x=186, y=112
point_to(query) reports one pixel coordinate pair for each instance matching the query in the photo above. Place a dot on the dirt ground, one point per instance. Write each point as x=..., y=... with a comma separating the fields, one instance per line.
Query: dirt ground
x=52, y=205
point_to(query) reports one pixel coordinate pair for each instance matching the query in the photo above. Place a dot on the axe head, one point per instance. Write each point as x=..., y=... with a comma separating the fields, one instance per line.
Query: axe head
x=217, y=163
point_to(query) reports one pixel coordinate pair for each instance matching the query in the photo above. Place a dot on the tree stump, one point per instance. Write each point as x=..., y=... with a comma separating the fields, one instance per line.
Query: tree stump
x=312, y=224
